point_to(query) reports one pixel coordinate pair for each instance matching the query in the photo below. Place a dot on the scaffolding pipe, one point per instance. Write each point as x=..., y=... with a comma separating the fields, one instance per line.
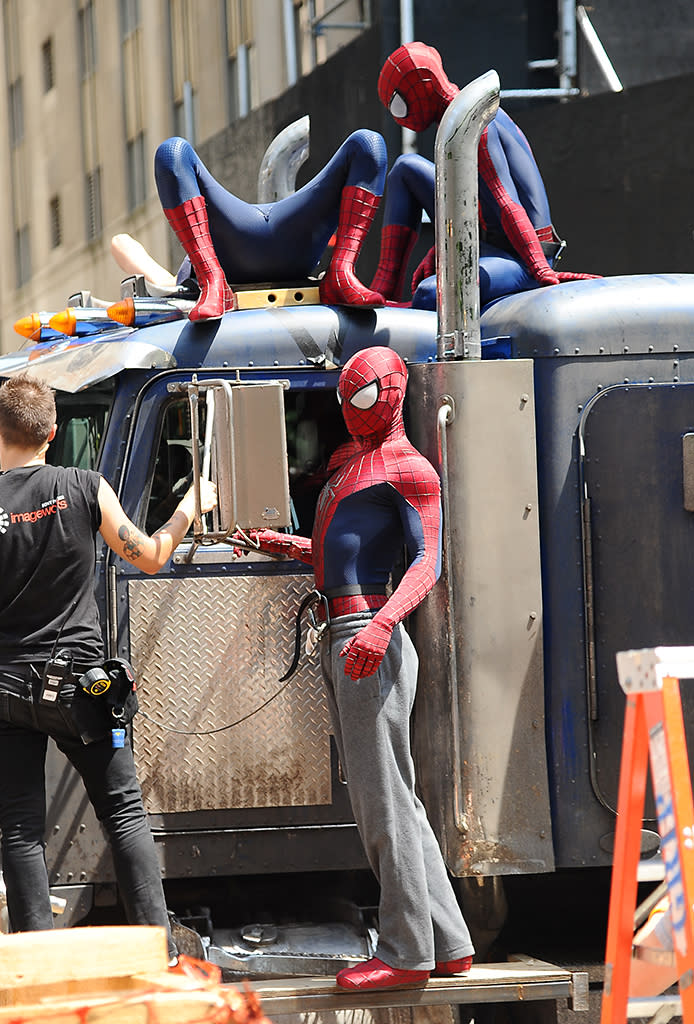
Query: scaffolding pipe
x=408, y=138
x=567, y=44
x=598, y=50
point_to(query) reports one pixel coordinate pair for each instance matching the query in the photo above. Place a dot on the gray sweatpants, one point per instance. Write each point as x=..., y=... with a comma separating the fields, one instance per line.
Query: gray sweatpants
x=419, y=918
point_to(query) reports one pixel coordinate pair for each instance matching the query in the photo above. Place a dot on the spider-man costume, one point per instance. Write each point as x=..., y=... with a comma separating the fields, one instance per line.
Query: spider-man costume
x=385, y=495
x=229, y=240
x=518, y=244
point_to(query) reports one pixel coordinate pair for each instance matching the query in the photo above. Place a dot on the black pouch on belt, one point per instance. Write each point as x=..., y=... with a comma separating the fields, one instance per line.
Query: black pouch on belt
x=114, y=687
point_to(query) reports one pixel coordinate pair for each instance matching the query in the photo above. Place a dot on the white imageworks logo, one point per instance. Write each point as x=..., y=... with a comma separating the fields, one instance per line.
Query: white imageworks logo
x=4, y=521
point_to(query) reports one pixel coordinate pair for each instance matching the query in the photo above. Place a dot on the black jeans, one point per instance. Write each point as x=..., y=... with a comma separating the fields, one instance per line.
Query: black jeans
x=109, y=777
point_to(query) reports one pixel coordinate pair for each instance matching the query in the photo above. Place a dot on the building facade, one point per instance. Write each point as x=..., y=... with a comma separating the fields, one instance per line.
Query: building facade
x=92, y=87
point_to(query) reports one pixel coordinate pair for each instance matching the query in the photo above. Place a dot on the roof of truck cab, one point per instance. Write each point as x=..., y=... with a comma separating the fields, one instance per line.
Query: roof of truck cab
x=609, y=316
x=282, y=337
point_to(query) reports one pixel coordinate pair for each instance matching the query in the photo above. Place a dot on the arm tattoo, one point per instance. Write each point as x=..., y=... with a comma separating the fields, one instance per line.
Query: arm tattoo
x=132, y=542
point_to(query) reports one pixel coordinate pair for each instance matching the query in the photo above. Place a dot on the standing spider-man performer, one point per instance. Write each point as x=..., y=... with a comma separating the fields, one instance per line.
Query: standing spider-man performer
x=229, y=240
x=518, y=244
x=385, y=495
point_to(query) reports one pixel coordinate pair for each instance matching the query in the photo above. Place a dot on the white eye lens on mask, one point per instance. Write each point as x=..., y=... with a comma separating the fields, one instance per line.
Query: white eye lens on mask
x=398, y=107
x=365, y=398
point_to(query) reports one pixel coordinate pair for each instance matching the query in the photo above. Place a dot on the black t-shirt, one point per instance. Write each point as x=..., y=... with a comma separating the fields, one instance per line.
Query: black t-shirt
x=49, y=518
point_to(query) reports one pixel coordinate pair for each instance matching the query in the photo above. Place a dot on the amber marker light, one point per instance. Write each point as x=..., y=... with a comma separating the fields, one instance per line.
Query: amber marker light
x=123, y=312
x=29, y=327
x=65, y=321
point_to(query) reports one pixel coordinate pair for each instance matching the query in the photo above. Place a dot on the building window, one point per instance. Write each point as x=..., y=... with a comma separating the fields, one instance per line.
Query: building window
x=93, y=204
x=22, y=255
x=56, y=226
x=16, y=103
x=48, y=64
x=129, y=17
x=183, y=37
x=87, y=38
x=137, y=187
x=239, y=22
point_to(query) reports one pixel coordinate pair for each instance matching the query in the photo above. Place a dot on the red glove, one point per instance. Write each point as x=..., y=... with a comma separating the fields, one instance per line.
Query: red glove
x=273, y=543
x=425, y=269
x=365, y=651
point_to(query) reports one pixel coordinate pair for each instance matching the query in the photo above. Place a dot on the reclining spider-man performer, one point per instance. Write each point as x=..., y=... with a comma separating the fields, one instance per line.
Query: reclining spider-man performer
x=384, y=496
x=518, y=244
x=229, y=240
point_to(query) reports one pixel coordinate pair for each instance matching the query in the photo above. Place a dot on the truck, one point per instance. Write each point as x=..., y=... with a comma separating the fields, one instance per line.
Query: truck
x=561, y=421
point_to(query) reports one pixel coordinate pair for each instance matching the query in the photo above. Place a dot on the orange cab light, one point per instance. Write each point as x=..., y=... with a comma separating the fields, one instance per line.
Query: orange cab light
x=123, y=312
x=29, y=327
x=65, y=322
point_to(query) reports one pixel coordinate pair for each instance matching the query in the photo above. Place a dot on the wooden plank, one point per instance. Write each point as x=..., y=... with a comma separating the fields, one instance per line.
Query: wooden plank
x=139, y=1008
x=503, y=982
x=30, y=959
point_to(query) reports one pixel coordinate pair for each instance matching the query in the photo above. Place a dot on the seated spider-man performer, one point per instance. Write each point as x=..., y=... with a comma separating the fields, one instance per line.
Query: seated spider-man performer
x=518, y=244
x=229, y=240
x=385, y=495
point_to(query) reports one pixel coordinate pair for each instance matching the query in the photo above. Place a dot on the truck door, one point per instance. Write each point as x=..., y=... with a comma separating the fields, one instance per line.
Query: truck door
x=237, y=769
x=639, y=546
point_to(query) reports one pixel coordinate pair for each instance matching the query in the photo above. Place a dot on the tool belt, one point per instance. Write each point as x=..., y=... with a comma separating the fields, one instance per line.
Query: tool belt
x=323, y=607
x=111, y=686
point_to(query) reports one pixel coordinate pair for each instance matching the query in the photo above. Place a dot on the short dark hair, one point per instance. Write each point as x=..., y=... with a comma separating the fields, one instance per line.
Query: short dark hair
x=27, y=411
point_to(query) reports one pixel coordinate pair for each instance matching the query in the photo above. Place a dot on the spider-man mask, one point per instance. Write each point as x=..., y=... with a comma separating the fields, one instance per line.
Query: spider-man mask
x=414, y=87
x=371, y=391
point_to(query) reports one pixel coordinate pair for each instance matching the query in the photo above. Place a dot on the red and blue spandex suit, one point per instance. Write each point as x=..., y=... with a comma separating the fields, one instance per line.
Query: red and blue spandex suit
x=230, y=241
x=384, y=494
x=517, y=240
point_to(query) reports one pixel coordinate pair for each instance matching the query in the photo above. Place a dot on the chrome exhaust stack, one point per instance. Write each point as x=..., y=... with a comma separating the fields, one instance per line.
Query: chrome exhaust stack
x=457, y=218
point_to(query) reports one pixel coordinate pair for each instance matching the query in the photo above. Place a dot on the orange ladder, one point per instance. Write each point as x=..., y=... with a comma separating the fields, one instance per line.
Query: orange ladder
x=653, y=729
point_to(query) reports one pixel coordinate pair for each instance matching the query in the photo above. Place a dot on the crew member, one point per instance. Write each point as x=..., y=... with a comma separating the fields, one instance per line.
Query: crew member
x=49, y=518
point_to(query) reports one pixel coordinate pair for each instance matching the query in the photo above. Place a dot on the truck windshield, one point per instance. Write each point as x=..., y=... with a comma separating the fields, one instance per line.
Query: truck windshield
x=81, y=422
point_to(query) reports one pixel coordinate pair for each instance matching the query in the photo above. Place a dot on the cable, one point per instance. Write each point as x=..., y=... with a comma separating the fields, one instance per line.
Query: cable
x=221, y=728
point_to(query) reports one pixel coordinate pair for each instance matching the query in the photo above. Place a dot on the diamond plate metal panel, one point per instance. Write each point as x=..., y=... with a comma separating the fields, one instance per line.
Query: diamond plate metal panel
x=208, y=652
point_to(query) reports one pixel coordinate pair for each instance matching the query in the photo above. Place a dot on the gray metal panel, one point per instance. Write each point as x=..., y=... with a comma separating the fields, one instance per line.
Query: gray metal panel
x=208, y=652
x=485, y=783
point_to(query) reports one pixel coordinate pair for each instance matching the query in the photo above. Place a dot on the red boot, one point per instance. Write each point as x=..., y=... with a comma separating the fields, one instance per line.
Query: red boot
x=340, y=285
x=447, y=968
x=375, y=974
x=397, y=243
x=189, y=222
x=568, y=275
